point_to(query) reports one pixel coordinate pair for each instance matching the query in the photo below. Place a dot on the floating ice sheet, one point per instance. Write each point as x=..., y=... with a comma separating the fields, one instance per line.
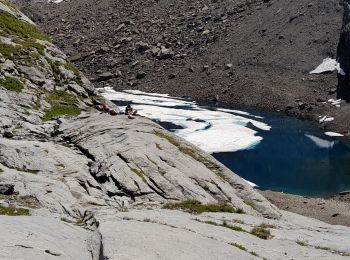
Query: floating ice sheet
x=219, y=130
x=321, y=143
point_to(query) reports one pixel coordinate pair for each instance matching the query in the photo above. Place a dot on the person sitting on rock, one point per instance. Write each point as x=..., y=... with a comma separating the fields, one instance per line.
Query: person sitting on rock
x=105, y=107
x=130, y=112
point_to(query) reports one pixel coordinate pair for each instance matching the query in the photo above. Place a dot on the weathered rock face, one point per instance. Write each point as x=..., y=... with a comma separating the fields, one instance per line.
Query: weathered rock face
x=76, y=183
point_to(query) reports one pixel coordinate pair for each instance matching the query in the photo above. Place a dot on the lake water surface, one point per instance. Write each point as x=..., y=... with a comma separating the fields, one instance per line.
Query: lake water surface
x=270, y=150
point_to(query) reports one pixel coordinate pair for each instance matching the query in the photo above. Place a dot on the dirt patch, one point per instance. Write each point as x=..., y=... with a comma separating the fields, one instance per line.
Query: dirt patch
x=334, y=210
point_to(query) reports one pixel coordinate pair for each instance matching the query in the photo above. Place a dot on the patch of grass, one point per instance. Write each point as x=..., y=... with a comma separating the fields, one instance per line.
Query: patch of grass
x=11, y=84
x=31, y=45
x=225, y=225
x=262, y=233
x=233, y=227
x=62, y=103
x=265, y=225
x=197, y=207
x=1, y=170
x=302, y=242
x=239, y=246
x=68, y=145
x=250, y=203
x=72, y=67
x=323, y=248
x=79, y=221
x=60, y=110
x=65, y=220
x=253, y=253
x=55, y=67
x=10, y=51
x=11, y=25
x=12, y=211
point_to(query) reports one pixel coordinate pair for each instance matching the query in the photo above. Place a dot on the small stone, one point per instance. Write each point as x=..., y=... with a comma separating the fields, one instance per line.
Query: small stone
x=171, y=76
x=105, y=76
x=142, y=46
x=8, y=134
x=141, y=75
x=228, y=66
x=205, y=32
x=332, y=91
x=6, y=189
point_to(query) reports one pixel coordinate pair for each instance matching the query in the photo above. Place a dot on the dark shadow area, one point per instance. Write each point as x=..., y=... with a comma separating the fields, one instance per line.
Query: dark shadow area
x=343, y=57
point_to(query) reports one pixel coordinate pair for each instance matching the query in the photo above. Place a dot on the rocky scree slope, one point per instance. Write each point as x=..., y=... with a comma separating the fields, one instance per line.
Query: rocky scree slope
x=256, y=53
x=76, y=183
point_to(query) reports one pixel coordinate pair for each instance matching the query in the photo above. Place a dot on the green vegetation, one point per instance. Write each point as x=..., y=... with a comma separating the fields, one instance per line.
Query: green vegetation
x=301, y=242
x=253, y=253
x=31, y=44
x=244, y=249
x=79, y=221
x=62, y=103
x=11, y=84
x=225, y=225
x=1, y=170
x=24, y=35
x=239, y=246
x=197, y=207
x=260, y=232
x=233, y=227
x=10, y=51
x=250, y=203
x=12, y=211
x=265, y=225
x=65, y=220
x=55, y=67
x=72, y=67
x=11, y=25
x=323, y=248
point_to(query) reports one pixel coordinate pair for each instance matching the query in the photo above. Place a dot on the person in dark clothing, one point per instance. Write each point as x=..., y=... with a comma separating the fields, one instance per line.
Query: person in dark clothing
x=130, y=112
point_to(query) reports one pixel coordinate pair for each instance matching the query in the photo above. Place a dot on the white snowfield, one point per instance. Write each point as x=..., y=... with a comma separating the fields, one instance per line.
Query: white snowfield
x=328, y=65
x=221, y=130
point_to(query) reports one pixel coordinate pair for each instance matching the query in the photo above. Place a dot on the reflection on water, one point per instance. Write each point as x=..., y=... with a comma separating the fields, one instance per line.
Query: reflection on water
x=294, y=157
x=269, y=149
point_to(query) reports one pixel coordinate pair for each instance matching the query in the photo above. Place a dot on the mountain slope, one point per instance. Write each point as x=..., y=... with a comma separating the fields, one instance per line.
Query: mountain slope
x=255, y=53
x=76, y=183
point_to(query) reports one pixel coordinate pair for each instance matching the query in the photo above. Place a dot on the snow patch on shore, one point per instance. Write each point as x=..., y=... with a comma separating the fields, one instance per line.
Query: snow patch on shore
x=220, y=130
x=328, y=65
